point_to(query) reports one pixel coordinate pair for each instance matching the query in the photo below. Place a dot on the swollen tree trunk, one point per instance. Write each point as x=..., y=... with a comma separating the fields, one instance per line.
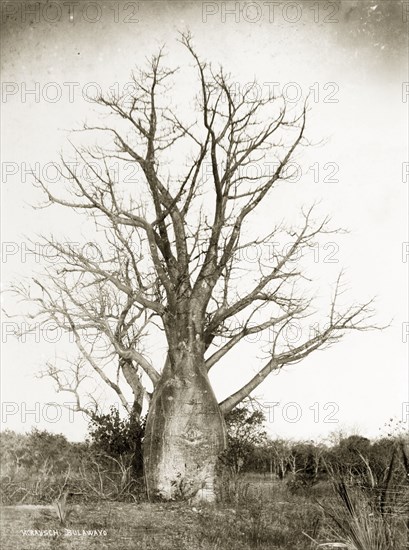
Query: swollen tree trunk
x=184, y=435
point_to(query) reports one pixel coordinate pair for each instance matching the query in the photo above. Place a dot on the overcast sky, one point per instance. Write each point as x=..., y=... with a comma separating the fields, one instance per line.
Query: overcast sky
x=351, y=56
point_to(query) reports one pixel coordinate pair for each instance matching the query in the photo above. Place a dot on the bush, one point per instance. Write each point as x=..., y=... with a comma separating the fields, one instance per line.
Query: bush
x=373, y=511
x=245, y=432
x=34, y=466
x=118, y=439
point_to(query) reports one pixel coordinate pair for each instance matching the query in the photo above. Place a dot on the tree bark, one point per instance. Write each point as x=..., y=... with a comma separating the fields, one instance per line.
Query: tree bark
x=131, y=376
x=185, y=433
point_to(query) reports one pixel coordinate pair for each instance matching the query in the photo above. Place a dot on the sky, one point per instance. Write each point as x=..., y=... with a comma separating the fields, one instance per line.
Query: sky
x=352, y=56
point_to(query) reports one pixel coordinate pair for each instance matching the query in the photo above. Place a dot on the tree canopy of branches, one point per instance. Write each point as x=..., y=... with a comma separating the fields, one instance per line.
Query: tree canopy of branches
x=169, y=262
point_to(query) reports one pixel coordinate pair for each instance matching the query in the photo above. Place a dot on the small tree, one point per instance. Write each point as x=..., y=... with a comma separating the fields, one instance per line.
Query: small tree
x=350, y=456
x=245, y=431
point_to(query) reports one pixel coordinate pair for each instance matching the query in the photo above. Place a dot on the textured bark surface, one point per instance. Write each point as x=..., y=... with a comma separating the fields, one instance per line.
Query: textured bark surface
x=131, y=376
x=184, y=436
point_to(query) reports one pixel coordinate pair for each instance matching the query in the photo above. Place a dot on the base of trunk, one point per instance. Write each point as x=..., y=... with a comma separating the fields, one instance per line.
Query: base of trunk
x=184, y=436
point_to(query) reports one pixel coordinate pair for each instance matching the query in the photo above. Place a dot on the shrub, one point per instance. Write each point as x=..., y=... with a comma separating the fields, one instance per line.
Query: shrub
x=119, y=439
x=373, y=515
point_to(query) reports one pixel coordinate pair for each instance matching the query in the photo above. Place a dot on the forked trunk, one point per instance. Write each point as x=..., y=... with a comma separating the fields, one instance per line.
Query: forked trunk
x=185, y=433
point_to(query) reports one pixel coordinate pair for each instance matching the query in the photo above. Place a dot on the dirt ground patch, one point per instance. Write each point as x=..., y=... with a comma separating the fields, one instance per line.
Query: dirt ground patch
x=112, y=525
x=267, y=518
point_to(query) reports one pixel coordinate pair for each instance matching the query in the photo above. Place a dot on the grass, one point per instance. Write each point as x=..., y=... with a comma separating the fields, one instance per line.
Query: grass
x=374, y=514
x=264, y=516
x=268, y=519
x=112, y=525
x=366, y=522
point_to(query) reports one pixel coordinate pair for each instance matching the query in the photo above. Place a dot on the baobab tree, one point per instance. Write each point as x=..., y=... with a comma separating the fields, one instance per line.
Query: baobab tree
x=169, y=263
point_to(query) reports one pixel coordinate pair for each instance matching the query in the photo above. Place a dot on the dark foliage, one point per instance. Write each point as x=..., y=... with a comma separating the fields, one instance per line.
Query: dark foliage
x=245, y=434
x=117, y=437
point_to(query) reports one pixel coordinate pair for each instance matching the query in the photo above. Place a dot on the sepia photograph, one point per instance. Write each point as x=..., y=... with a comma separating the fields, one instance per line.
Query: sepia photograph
x=204, y=265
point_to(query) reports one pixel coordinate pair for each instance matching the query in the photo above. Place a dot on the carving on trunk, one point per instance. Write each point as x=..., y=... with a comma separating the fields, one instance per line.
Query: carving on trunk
x=184, y=436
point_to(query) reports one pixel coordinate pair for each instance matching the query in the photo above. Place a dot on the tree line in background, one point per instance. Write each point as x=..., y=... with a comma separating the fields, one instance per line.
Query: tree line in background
x=109, y=464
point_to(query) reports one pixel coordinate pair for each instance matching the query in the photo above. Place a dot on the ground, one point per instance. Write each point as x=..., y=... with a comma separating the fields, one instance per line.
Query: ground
x=270, y=519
